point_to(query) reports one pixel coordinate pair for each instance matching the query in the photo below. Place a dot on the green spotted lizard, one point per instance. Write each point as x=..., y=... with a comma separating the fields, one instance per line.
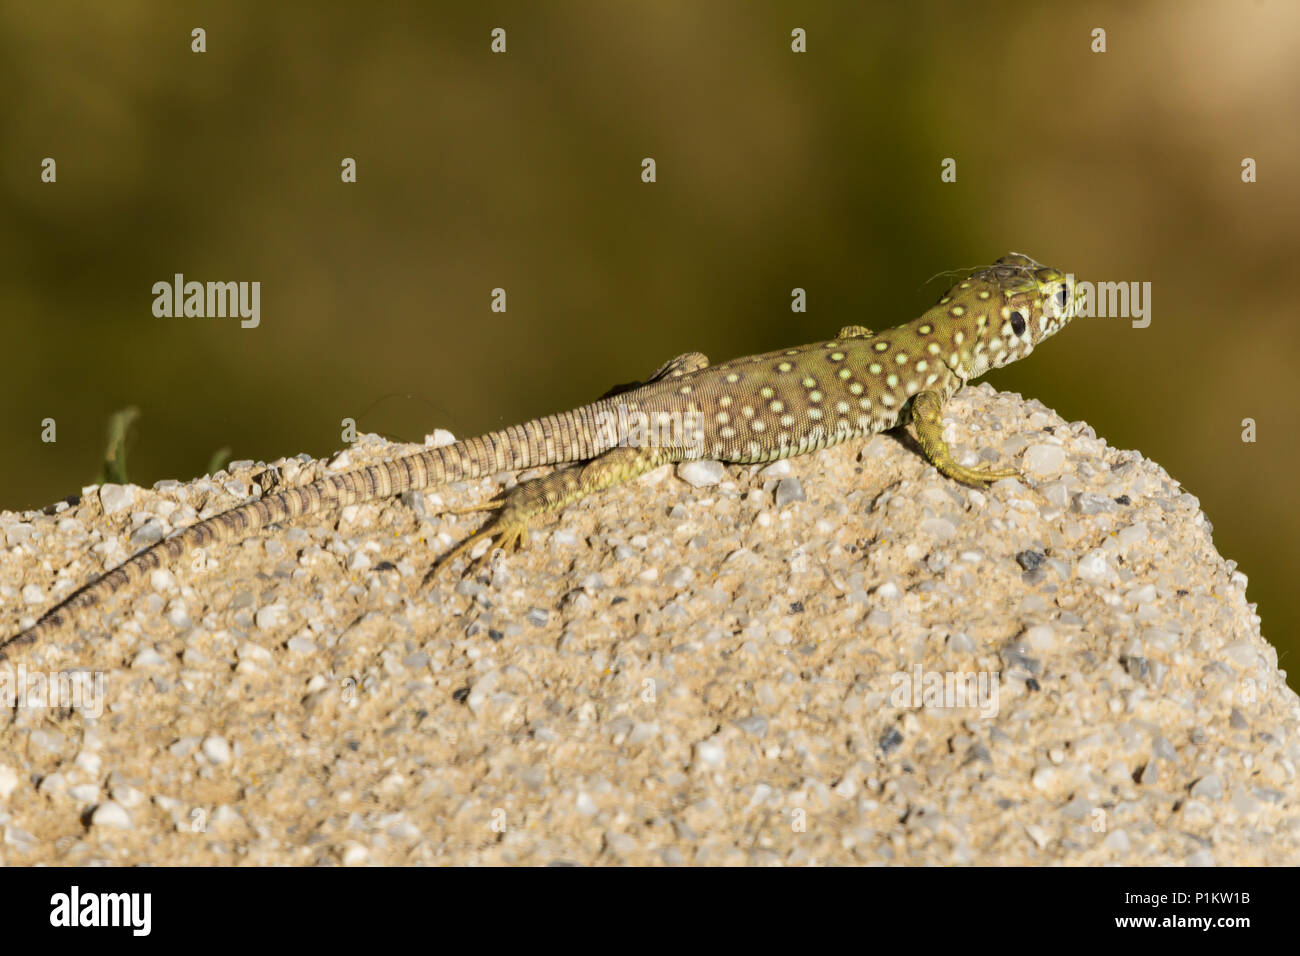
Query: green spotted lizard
x=754, y=409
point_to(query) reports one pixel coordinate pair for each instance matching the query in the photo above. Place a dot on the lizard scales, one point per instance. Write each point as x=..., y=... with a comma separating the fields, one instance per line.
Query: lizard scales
x=753, y=409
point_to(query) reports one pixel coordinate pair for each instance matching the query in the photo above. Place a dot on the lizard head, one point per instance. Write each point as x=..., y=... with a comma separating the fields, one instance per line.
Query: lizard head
x=1001, y=312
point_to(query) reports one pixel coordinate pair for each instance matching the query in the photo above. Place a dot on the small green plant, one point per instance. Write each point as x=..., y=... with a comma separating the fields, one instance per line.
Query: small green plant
x=218, y=460
x=113, y=469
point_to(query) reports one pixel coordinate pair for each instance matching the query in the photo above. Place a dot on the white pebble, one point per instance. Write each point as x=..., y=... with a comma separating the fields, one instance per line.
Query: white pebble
x=8, y=782
x=789, y=491
x=1117, y=840
x=148, y=658
x=1242, y=653
x=1043, y=461
x=84, y=793
x=1134, y=534
x=216, y=750
x=115, y=498
x=354, y=854
x=710, y=753
x=1044, y=778
x=1094, y=567
x=700, y=474
x=20, y=533
x=273, y=615
x=89, y=762
x=127, y=796
x=642, y=733
x=248, y=651
x=111, y=814
x=889, y=591
x=160, y=579
x=679, y=577
x=1041, y=638
x=1141, y=595
x=940, y=528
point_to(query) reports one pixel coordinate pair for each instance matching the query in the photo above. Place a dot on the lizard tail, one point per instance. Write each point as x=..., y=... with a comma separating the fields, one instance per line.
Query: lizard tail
x=543, y=441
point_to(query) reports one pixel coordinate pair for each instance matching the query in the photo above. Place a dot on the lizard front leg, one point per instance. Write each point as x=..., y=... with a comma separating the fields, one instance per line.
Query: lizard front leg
x=855, y=332
x=927, y=416
x=676, y=367
x=522, y=505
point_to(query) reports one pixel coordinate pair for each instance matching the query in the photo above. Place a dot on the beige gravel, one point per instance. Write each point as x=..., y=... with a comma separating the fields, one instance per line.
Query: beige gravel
x=671, y=674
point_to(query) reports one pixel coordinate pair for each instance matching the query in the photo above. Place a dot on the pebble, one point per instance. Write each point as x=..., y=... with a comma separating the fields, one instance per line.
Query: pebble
x=1088, y=503
x=84, y=793
x=1029, y=560
x=184, y=747
x=162, y=579
x=46, y=741
x=217, y=750
x=1095, y=568
x=17, y=534
x=701, y=474
x=148, y=657
x=111, y=814
x=1117, y=840
x=89, y=762
x=939, y=528
x=1041, y=639
x=679, y=577
x=710, y=753
x=1043, y=461
x=8, y=782
x=116, y=498
x=151, y=532
x=1208, y=787
x=127, y=796
x=354, y=854
x=789, y=491
x=642, y=732
x=271, y=616
x=889, y=591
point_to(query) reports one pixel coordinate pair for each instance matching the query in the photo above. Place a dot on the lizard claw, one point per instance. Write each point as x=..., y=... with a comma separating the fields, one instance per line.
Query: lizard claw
x=980, y=476
x=511, y=535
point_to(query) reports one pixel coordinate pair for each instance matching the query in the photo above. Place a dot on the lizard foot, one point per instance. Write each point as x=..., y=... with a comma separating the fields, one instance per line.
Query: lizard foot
x=511, y=533
x=977, y=476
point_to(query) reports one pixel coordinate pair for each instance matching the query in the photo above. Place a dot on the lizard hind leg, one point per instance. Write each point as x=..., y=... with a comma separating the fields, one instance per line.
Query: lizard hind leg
x=525, y=503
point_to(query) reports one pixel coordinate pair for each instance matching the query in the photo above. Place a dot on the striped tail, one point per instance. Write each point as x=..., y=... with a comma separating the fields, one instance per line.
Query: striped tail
x=566, y=437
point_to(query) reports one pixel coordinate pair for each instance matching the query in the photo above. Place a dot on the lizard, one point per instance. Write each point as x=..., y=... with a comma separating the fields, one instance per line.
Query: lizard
x=758, y=408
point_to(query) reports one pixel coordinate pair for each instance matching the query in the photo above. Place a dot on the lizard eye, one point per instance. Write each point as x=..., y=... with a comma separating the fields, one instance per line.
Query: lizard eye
x=1018, y=323
x=1062, y=297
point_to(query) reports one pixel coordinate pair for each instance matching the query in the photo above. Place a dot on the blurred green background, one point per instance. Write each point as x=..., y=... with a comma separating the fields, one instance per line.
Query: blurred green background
x=522, y=170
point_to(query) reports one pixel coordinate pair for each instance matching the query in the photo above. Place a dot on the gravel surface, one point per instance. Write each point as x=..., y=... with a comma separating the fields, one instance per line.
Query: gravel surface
x=713, y=664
